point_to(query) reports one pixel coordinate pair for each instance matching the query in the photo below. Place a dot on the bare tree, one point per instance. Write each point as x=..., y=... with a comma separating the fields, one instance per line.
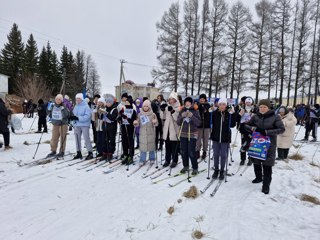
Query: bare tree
x=169, y=46
x=93, y=85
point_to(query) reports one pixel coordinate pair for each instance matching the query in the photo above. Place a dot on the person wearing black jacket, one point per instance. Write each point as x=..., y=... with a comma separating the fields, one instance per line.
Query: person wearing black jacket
x=126, y=117
x=204, y=127
x=223, y=119
x=269, y=124
x=42, y=113
x=111, y=127
x=244, y=115
x=312, y=116
x=4, y=130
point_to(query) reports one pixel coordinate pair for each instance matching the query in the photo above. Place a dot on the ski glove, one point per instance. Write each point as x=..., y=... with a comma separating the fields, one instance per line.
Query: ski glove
x=170, y=109
x=124, y=116
x=163, y=107
x=262, y=131
x=74, y=118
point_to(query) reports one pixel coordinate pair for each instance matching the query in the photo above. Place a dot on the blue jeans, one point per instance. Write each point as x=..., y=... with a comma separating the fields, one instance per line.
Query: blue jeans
x=220, y=152
x=143, y=156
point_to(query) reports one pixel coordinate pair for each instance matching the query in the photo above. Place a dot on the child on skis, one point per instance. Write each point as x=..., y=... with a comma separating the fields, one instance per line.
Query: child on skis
x=126, y=117
x=188, y=120
x=111, y=128
x=169, y=115
x=223, y=120
x=147, y=121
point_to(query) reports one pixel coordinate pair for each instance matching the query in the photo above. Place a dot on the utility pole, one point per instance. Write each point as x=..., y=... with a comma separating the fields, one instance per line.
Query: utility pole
x=122, y=61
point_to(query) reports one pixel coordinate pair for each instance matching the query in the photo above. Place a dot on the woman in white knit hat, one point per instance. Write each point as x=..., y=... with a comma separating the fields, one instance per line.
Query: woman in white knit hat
x=59, y=116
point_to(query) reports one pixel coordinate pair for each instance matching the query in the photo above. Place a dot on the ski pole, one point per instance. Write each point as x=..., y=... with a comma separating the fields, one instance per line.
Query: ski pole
x=297, y=133
x=32, y=123
x=188, y=151
x=230, y=116
x=178, y=142
x=209, y=147
x=38, y=145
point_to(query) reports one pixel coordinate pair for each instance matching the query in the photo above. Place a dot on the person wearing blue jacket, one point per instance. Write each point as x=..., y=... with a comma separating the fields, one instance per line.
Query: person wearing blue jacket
x=81, y=121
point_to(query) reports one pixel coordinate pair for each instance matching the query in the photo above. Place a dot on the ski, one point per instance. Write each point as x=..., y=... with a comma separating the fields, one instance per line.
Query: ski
x=238, y=170
x=182, y=180
x=152, y=173
x=148, y=169
x=112, y=169
x=160, y=173
x=97, y=165
x=215, y=190
x=137, y=169
x=208, y=186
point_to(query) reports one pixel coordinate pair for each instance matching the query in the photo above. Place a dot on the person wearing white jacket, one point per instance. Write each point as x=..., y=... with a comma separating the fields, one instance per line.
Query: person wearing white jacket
x=285, y=140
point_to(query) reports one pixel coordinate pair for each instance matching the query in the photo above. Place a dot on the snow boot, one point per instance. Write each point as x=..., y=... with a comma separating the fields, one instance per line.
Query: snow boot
x=124, y=160
x=265, y=188
x=130, y=160
x=194, y=172
x=109, y=156
x=90, y=156
x=242, y=162
x=52, y=154
x=258, y=172
x=173, y=165
x=78, y=156
x=204, y=155
x=184, y=170
x=60, y=155
x=166, y=164
x=215, y=174
x=249, y=162
x=221, y=176
x=313, y=140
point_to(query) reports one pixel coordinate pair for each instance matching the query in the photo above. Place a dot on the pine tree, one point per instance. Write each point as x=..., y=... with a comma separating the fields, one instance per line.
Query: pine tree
x=67, y=70
x=12, y=56
x=31, y=57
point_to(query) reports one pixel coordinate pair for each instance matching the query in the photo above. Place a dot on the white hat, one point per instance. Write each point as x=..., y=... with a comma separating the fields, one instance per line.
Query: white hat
x=102, y=100
x=79, y=95
x=59, y=96
x=66, y=97
x=249, y=100
x=223, y=101
x=174, y=95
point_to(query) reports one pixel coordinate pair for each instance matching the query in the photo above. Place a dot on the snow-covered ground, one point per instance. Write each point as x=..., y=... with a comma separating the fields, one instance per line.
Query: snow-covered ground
x=57, y=201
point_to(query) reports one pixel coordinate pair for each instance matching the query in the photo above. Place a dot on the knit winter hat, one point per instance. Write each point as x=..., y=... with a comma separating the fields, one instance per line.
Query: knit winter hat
x=203, y=96
x=66, y=97
x=265, y=102
x=102, y=100
x=59, y=96
x=283, y=109
x=146, y=103
x=110, y=100
x=79, y=95
x=124, y=95
x=249, y=100
x=188, y=99
x=174, y=95
x=223, y=101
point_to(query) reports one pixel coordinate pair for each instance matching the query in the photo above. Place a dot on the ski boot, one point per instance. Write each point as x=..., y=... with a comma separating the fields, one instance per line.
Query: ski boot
x=78, y=156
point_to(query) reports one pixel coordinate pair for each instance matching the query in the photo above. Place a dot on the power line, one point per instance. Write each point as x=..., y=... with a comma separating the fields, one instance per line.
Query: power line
x=62, y=42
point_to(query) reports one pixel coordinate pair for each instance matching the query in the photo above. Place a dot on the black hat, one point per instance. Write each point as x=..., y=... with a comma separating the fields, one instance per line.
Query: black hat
x=97, y=96
x=203, y=96
x=243, y=99
x=124, y=95
x=40, y=101
x=188, y=99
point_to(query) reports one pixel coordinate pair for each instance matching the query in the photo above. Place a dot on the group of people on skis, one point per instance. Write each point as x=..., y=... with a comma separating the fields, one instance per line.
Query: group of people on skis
x=185, y=127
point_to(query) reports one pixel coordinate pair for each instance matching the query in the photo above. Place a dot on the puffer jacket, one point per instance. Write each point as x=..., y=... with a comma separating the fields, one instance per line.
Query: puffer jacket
x=147, y=139
x=222, y=122
x=273, y=125
x=83, y=112
x=189, y=125
x=58, y=114
x=204, y=115
x=285, y=140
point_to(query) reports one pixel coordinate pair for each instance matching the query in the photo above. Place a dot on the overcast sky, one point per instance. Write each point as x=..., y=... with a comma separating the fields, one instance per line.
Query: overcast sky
x=109, y=30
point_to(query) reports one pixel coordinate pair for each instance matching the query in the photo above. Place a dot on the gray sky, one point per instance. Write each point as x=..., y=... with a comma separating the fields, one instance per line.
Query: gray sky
x=109, y=30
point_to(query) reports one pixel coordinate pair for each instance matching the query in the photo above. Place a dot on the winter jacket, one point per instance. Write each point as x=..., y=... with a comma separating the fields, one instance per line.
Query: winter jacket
x=222, y=122
x=127, y=115
x=68, y=104
x=42, y=109
x=147, y=138
x=4, y=114
x=189, y=125
x=83, y=112
x=273, y=125
x=58, y=114
x=170, y=126
x=106, y=118
x=204, y=115
x=285, y=140
x=242, y=120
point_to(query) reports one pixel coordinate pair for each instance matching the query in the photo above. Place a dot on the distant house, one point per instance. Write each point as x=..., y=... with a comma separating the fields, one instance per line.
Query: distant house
x=137, y=90
x=4, y=81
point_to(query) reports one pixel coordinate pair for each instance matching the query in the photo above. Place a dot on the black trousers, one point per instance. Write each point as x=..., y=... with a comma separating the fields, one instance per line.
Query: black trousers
x=159, y=133
x=171, y=151
x=111, y=134
x=266, y=173
x=283, y=153
x=127, y=140
x=245, y=142
x=6, y=137
x=42, y=122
